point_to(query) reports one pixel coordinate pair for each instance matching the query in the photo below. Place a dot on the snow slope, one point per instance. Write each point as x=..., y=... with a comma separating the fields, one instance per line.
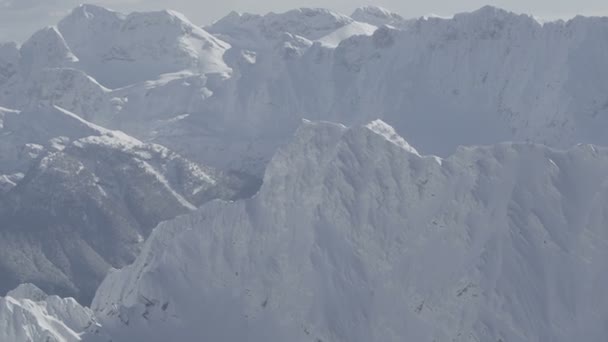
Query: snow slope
x=378, y=16
x=322, y=252
x=356, y=237
x=77, y=199
x=260, y=30
x=481, y=77
x=240, y=86
x=120, y=49
x=28, y=314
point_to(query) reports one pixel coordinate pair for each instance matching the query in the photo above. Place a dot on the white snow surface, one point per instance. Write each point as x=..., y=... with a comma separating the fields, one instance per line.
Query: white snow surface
x=378, y=16
x=229, y=94
x=354, y=238
x=353, y=29
x=28, y=314
x=120, y=49
x=77, y=199
x=355, y=235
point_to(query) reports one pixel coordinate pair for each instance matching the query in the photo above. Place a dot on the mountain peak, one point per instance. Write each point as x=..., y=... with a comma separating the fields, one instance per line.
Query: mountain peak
x=490, y=12
x=489, y=9
x=373, y=10
x=388, y=132
x=376, y=15
x=46, y=48
x=28, y=291
x=30, y=315
x=118, y=50
x=342, y=215
x=310, y=23
x=87, y=13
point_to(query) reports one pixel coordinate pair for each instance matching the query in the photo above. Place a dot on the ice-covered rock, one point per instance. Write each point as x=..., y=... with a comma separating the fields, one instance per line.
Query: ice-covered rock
x=355, y=238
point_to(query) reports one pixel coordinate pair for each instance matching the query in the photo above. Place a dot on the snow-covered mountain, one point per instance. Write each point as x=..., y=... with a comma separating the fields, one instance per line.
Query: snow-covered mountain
x=379, y=16
x=77, y=199
x=120, y=49
x=240, y=86
x=356, y=237
x=29, y=314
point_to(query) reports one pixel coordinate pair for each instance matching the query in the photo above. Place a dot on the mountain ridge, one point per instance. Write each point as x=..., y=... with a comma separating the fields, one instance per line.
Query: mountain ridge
x=274, y=220
x=317, y=234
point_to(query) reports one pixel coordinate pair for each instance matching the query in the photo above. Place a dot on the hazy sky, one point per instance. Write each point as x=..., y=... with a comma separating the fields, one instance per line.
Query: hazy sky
x=20, y=18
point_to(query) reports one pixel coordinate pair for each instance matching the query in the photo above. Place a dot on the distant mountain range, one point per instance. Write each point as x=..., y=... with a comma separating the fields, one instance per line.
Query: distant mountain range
x=274, y=155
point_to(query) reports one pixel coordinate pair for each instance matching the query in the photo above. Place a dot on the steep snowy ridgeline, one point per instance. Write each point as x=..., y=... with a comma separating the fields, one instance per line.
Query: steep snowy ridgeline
x=478, y=78
x=77, y=199
x=353, y=29
x=482, y=77
x=46, y=48
x=355, y=237
x=29, y=314
x=68, y=88
x=119, y=49
x=378, y=16
x=23, y=134
x=260, y=30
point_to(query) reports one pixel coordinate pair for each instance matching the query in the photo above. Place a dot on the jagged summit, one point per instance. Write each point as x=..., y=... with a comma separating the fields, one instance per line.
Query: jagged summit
x=490, y=10
x=386, y=131
x=377, y=16
x=310, y=23
x=118, y=49
x=354, y=210
x=29, y=314
x=28, y=291
x=349, y=229
x=489, y=13
x=90, y=12
x=47, y=48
